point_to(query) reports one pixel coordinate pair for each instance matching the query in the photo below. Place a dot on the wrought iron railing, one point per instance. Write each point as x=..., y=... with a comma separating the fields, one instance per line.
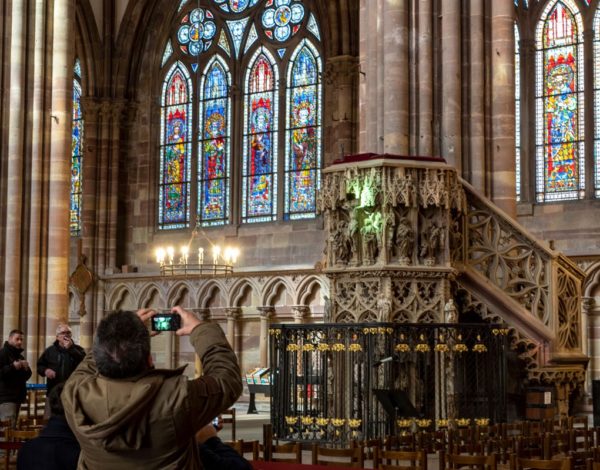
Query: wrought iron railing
x=325, y=378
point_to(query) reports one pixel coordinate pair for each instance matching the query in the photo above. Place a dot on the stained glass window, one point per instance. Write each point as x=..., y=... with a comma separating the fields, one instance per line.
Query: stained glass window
x=235, y=6
x=517, y=115
x=597, y=103
x=215, y=161
x=259, y=182
x=197, y=31
x=303, y=135
x=212, y=169
x=76, y=154
x=175, y=148
x=282, y=19
x=559, y=103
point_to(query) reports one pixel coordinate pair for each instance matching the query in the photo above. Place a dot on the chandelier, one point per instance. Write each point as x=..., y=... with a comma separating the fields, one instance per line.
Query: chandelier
x=215, y=260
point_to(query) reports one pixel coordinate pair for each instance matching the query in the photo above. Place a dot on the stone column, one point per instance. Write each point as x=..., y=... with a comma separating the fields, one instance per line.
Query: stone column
x=424, y=79
x=395, y=67
x=301, y=313
x=265, y=315
x=14, y=165
x=60, y=164
x=502, y=175
x=590, y=320
x=204, y=315
x=91, y=116
x=233, y=314
x=37, y=201
x=340, y=81
x=450, y=81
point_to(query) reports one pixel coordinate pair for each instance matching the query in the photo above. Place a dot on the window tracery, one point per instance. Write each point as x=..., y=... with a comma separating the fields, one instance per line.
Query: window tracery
x=223, y=156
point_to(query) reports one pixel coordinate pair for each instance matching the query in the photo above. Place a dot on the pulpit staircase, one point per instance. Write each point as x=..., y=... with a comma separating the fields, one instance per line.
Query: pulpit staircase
x=410, y=241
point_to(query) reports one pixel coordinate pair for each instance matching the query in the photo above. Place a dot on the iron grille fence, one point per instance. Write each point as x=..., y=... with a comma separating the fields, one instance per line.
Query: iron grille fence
x=340, y=382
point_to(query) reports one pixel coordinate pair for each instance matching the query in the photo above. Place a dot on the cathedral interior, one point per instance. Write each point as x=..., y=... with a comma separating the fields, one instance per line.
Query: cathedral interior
x=357, y=161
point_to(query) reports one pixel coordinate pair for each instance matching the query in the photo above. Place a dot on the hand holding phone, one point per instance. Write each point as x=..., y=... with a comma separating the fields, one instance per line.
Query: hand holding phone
x=166, y=322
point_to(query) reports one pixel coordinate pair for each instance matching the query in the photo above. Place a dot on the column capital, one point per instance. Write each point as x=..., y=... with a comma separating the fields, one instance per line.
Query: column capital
x=233, y=313
x=266, y=312
x=300, y=311
x=203, y=313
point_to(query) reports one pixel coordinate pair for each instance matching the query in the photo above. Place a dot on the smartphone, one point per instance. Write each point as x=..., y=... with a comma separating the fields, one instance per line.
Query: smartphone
x=166, y=322
x=215, y=422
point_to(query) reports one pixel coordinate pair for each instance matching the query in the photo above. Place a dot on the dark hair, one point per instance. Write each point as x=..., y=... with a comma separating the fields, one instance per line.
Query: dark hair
x=56, y=406
x=15, y=332
x=122, y=345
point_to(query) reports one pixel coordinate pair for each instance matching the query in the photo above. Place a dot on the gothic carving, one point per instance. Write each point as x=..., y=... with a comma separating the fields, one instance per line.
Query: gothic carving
x=432, y=243
x=508, y=259
x=405, y=241
x=568, y=310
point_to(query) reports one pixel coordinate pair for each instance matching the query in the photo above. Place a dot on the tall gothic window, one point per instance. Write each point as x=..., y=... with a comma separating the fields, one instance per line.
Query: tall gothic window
x=517, y=114
x=303, y=152
x=76, y=153
x=597, y=102
x=259, y=172
x=175, y=149
x=560, y=156
x=215, y=147
x=223, y=157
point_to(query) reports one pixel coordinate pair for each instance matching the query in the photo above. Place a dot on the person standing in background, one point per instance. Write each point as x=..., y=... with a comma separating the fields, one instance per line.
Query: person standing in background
x=59, y=360
x=14, y=373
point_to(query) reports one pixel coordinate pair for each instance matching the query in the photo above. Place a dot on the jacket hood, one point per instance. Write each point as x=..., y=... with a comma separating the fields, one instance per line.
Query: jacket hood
x=113, y=414
x=12, y=348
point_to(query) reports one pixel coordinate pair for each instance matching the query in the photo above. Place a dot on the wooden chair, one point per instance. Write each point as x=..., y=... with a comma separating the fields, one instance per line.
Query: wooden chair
x=245, y=447
x=400, y=460
x=229, y=418
x=21, y=435
x=581, y=459
x=348, y=457
x=10, y=450
x=31, y=423
x=286, y=453
x=481, y=462
x=517, y=463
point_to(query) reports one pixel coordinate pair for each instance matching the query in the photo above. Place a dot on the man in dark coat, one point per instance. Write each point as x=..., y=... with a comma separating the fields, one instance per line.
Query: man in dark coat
x=56, y=447
x=59, y=360
x=14, y=373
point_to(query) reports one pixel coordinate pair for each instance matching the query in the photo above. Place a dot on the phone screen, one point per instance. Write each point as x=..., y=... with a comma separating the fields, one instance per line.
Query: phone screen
x=166, y=322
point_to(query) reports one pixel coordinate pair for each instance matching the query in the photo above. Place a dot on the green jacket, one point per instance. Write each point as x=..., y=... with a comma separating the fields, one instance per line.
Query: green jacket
x=149, y=421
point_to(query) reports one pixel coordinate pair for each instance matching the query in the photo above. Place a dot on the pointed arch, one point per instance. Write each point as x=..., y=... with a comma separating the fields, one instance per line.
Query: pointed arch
x=148, y=293
x=272, y=290
x=239, y=290
x=560, y=156
x=303, y=132
x=118, y=295
x=175, y=148
x=307, y=287
x=209, y=291
x=214, y=164
x=259, y=168
x=178, y=292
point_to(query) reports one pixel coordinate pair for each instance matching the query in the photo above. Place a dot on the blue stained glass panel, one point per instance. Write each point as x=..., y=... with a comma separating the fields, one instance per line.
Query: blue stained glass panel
x=214, y=180
x=237, y=28
x=175, y=149
x=259, y=168
x=303, y=152
x=76, y=156
x=559, y=166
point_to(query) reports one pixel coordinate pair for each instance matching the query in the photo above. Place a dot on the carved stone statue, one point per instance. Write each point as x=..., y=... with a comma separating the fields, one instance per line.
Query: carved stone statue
x=431, y=242
x=405, y=240
x=371, y=237
x=384, y=307
x=340, y=244
x=450, y=312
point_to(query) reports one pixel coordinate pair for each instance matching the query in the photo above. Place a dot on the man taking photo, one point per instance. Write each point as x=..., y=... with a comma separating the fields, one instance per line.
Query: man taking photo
x=127, y=414
x=59, y=360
